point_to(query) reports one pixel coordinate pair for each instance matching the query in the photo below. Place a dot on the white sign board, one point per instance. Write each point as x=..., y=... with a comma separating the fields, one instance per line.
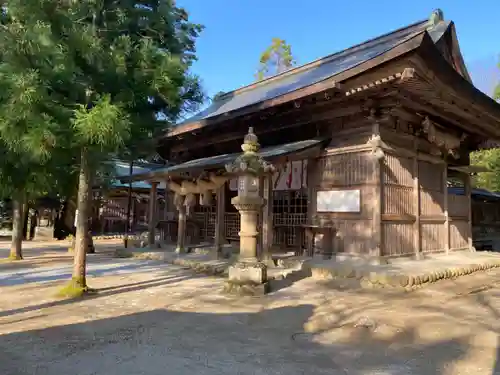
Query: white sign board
x=338, y=201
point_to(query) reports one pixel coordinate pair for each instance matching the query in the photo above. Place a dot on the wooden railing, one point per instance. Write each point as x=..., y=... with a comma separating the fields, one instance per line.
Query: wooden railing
x=287, y=230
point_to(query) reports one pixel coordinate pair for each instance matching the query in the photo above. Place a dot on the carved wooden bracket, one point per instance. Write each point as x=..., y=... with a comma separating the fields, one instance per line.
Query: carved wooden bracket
x=178, y=200
x=446, y=141
x=376, y=144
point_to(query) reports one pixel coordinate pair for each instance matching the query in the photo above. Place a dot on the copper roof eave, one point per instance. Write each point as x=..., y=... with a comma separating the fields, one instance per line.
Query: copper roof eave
x=333, y=82
x=294, y=95
x=452, y=79
x=311, y=150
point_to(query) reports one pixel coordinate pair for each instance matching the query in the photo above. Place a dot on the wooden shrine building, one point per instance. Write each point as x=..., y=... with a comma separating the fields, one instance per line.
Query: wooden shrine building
x=364, y=142
x=110, y=208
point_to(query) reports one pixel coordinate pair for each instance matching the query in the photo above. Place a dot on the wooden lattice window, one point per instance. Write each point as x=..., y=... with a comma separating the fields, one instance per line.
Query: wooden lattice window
x=289, y=212
x=289, y=205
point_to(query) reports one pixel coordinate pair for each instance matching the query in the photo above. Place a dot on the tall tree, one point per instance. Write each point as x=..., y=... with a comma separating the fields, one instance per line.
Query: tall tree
x=109, y=69
x=490, y=159
x=26, y=140
x=276, y=59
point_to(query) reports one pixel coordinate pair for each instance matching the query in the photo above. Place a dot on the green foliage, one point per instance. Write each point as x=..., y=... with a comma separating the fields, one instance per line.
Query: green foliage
x=490, y=159
x=218, y=95
x=104, y=125
x=93, y=74
x=276, y=59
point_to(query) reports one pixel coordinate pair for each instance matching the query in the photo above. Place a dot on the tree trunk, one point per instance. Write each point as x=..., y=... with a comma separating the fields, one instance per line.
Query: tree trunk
x=82, y=225
x=18, y=206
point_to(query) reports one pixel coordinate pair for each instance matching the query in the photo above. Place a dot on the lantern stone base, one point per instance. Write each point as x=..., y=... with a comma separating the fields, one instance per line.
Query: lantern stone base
x=247, y=279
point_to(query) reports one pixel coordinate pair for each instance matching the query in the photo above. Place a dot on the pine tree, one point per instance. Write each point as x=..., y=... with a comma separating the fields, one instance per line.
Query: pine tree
x=26, y=137
x=105, y=71
x=277, y=58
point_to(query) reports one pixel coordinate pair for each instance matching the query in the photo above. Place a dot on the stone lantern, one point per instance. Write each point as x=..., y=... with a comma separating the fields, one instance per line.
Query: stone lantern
x=248, y=275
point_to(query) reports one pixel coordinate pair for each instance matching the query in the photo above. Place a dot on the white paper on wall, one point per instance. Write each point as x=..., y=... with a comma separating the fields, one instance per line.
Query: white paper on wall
x=338, y=201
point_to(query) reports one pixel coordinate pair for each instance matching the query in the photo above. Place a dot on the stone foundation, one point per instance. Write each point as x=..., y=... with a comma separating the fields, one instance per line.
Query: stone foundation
x=408, y=278
x=247, y=278
x=242, y=272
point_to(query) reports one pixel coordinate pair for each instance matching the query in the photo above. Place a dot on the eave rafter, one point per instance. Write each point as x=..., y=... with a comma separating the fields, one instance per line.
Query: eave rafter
x=407, y=73
x=425, y=88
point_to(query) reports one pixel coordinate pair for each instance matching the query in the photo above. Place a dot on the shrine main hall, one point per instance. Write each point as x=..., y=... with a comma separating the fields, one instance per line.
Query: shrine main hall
x=364, y=144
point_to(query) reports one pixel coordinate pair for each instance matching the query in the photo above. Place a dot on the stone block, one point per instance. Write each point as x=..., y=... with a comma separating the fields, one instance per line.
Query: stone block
x=246, y=289
x=252, y=273
x=44, y=233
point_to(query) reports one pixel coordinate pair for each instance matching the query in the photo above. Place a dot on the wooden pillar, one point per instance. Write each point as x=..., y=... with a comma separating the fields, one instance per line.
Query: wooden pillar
x=312, y=183
x=220, y=213
x=165, y=206
x=152, y=213
x=181, y=230
x=378, y=196
x=468, y=191
x=416, y=203
x=445, y=209
x=267, y=219
x=132, y=216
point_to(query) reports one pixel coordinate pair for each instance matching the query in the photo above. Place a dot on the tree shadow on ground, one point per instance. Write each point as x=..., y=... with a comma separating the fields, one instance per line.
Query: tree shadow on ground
x=484, y=316
x=178, y=342
x=170, y=278
x=62, y=272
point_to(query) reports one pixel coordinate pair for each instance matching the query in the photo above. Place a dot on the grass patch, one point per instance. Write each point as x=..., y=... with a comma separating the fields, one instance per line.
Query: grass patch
x=75, y=288
x=14, y=257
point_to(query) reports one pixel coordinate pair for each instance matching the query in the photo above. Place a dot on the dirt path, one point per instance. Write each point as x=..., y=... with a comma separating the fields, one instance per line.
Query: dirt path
x=160, y=319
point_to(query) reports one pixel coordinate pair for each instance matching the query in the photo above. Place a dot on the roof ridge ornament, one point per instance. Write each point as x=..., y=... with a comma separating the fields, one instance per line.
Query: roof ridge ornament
x=436, y=17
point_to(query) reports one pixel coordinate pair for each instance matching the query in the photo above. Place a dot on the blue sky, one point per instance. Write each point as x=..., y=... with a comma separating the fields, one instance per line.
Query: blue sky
x=237, y=31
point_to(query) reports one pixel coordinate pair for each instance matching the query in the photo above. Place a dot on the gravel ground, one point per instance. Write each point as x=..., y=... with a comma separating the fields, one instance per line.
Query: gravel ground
x=152, y=318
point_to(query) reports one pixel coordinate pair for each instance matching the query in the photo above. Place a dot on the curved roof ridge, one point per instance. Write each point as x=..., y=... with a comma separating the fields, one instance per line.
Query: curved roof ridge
x=368, y=43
